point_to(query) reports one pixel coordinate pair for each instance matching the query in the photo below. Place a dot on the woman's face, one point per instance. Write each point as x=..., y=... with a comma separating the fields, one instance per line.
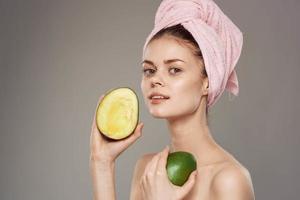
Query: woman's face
x=170, y=68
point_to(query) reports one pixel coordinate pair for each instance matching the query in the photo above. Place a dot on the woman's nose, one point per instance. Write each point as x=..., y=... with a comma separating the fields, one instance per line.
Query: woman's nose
x=153, y=84
x=156, y=80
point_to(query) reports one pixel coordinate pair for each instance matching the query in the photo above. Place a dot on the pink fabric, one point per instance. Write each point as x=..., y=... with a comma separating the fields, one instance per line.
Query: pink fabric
x=218, y=38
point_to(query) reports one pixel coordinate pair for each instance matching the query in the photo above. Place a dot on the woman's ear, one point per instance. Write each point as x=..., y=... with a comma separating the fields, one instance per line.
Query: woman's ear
x=205, y=86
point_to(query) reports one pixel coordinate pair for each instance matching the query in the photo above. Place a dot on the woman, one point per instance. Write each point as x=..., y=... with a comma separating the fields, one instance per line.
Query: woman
x=190, y=81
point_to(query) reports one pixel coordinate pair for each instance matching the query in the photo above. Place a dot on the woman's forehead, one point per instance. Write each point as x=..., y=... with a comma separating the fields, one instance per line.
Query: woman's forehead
x=166, y=61
x=166, y=48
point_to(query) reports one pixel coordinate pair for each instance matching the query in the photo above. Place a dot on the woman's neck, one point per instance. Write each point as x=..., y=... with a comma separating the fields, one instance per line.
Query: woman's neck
x=191, y=133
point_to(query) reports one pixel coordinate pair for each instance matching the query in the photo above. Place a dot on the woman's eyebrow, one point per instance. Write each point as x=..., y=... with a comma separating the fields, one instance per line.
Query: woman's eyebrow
x=172, y=60
x=165, y=61
x=148, y=62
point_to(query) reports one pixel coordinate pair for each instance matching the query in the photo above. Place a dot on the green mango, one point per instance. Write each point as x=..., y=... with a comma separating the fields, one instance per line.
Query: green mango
x=180, y=165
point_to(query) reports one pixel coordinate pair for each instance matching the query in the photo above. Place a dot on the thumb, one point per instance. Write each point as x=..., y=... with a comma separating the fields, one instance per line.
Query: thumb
x=184, y=190
x=137, y=133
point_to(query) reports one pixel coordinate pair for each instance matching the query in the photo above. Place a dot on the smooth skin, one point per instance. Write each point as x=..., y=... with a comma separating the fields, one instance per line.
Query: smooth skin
x=219, y=176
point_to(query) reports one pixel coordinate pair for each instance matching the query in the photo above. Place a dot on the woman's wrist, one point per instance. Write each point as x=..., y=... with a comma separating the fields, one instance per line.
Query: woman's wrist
x=100, y=160
x=102, y=164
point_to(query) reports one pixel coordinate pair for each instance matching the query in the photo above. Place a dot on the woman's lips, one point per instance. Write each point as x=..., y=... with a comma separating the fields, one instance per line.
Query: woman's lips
x=158, y=101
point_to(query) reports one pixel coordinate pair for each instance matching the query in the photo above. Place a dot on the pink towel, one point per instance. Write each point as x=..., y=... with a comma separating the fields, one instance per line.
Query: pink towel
x=219, y=39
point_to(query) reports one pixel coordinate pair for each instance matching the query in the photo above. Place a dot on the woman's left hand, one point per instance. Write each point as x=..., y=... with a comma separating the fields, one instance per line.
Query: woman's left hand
x=155, y=183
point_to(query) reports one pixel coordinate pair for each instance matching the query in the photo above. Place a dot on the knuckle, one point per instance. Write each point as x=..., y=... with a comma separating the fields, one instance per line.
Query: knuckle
x=159, y=173
x=156, y=157
x=149, y=175
x=142, y=180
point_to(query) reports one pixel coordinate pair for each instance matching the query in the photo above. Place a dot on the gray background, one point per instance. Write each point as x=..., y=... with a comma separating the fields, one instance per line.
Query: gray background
x=58, y=57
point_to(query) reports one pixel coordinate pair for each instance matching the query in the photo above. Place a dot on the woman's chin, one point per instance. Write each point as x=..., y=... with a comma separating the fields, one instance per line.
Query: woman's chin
x=158, y=115
x=166, y=117
x=161, y=115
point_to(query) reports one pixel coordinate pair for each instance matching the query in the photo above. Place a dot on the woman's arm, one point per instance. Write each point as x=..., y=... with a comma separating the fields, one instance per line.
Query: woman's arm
x=103, y=178
x=102, y=160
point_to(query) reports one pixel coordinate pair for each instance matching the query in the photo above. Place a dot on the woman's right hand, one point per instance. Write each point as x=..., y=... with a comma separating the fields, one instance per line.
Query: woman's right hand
x=104, y=151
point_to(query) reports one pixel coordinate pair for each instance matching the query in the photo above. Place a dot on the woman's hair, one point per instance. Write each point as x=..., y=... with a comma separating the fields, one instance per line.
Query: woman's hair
x=185, y=36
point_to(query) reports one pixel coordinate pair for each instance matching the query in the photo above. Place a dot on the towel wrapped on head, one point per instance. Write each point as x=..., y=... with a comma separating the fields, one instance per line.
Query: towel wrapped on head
x=219, y=39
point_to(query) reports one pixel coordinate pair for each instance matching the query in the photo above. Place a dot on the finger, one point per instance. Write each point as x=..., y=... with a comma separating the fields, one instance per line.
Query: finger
x=143, y=189
x=154, y=162
x=94, y=127
x=99, y=101
x=161, y=166
x=144, y=178
x=151, y=166
x=185, y=189
x=95, y=136
x=134, y=136
x=146, y=170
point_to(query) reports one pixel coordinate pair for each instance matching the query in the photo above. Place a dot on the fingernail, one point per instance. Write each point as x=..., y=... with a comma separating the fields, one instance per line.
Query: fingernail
x=167, y=148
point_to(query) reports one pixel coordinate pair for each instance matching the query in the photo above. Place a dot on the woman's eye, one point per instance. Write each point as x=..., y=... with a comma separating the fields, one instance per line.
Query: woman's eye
x=146, y=71
x=176, y=70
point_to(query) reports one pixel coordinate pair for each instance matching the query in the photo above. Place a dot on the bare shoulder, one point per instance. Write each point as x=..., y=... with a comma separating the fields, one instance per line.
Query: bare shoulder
x=138, y=172
x=233, y=182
